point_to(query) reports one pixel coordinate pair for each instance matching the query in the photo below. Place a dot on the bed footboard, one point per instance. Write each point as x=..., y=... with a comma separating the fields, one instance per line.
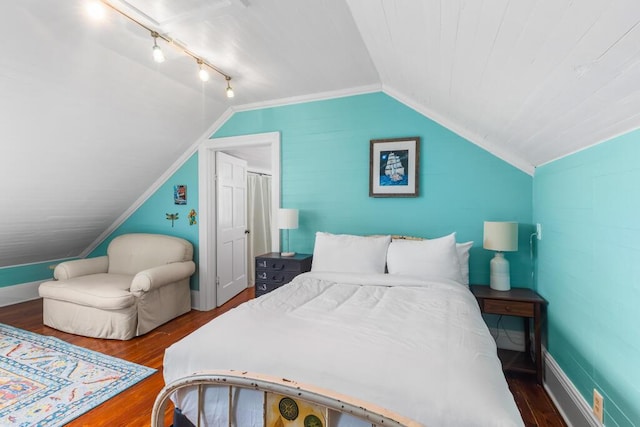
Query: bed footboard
x=285, y=402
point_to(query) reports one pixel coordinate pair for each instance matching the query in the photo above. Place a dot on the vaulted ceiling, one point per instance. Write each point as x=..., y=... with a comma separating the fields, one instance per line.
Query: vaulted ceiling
x=89, y=121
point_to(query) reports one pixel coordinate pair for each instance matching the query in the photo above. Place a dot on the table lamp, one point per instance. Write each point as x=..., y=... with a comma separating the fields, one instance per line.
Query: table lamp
x=287, y=220
x=500, y=237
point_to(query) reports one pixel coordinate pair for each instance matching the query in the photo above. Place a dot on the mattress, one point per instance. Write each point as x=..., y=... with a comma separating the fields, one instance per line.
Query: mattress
x=415, y=347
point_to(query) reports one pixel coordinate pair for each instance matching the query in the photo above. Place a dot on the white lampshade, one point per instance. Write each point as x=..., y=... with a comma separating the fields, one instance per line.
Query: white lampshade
x=500, y=236
x=287, y=219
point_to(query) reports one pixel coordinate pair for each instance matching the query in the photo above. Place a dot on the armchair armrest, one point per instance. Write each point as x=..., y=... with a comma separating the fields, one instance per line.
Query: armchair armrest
x=81, y=267
x=157, y=277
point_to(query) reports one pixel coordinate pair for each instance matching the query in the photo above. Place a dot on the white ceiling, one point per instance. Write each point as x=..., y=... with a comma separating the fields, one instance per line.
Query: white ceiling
x=88, y=121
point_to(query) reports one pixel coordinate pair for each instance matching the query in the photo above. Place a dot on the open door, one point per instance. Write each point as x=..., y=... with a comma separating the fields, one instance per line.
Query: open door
x=231, y=227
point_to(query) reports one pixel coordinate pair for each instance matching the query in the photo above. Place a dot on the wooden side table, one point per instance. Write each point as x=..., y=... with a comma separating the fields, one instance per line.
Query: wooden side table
x=519, y=302
x=274, y=270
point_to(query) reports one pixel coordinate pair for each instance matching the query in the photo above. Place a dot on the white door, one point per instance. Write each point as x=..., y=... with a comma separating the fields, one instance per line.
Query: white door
x=231, y=226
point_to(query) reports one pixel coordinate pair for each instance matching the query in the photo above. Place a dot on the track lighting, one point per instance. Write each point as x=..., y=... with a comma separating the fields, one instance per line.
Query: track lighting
x=158, y=56
x=230, y=93
x=94, y=7
x=203, y=73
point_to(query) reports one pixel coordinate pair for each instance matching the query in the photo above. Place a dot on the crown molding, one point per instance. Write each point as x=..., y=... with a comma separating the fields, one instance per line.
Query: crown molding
x=321, y=96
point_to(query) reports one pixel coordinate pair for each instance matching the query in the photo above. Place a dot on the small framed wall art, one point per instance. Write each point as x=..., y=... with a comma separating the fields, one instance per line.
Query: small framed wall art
x=393, y=167
x=180, y=194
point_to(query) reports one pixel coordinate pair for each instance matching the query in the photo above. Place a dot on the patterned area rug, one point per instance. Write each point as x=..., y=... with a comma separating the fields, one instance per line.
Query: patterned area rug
x=45, y=381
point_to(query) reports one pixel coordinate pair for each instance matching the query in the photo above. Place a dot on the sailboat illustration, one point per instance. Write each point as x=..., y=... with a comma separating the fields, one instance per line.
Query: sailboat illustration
x=394, y=169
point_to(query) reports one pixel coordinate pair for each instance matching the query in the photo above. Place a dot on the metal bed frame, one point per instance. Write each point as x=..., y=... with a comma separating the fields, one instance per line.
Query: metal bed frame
x=327, y=404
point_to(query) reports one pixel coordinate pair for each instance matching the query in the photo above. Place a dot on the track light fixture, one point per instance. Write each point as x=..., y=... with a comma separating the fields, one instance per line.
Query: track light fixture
x=158, y=55
x=230, y=93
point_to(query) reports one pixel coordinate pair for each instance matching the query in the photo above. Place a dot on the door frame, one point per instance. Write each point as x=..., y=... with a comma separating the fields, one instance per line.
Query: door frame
x=206, y=299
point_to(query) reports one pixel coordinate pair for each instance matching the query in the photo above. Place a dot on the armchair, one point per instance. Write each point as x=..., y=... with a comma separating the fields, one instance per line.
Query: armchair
x=141, y=283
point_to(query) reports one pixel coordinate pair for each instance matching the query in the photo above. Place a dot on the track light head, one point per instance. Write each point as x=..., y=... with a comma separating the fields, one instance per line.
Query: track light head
x=230, y=93
x=203, y=73
x=95, y=9
x=158, y=55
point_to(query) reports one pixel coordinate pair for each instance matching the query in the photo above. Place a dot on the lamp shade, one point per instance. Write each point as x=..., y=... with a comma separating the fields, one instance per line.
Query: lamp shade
x=287, y=219
x=500, y=236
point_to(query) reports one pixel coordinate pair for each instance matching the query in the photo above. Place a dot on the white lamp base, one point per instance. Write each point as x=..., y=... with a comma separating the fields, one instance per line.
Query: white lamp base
x=499, y=273
x=287, y=253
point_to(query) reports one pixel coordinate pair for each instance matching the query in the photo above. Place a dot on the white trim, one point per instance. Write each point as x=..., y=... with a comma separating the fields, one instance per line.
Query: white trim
x=602, y=141
x=157, y=184
x=207, y=200
x=342, y=93
x=195, y=299
x=472, y=137
x=572, y=406
x=53, y=263
x=15, y=294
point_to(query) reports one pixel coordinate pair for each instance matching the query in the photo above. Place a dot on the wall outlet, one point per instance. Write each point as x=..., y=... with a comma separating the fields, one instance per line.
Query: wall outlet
x=598, y=406
x=539, y=231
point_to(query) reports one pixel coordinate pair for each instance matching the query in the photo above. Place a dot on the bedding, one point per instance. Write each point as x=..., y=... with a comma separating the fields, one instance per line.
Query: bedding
x=419, y=348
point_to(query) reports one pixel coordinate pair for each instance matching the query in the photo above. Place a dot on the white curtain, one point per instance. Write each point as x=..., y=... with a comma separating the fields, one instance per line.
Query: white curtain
x=258, y=219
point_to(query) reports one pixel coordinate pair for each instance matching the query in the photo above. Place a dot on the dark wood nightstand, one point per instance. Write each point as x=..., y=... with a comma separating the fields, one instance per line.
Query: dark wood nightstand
x=274, y=270
x=523, y=303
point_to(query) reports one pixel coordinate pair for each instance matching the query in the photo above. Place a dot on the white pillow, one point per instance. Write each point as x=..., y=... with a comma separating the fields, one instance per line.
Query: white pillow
x=345, y=253
x=463, y=259
x=428, y=259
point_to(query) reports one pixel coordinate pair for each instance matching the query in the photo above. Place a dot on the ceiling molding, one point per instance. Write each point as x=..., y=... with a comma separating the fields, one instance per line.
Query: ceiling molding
x=494, y=149
x=607, y=139
x=321, y=96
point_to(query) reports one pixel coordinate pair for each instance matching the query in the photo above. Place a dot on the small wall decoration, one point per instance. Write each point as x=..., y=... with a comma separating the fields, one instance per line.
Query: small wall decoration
x=192, y=217
x=180, y=194
x=172, y=217
x=393, y=167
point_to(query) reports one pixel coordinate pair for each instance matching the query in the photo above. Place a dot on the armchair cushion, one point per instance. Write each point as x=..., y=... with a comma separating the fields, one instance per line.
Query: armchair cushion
x=133, y=253
x=105, y=291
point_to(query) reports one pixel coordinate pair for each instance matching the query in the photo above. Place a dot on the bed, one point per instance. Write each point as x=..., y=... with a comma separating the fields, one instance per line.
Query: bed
x=409, y=342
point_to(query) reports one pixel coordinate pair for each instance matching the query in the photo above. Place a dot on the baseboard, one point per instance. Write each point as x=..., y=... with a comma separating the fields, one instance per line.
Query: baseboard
x=572, y=406
x=19, y=293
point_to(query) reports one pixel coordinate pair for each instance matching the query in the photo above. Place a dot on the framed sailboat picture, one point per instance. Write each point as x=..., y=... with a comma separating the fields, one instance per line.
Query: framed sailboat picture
x=393, y=167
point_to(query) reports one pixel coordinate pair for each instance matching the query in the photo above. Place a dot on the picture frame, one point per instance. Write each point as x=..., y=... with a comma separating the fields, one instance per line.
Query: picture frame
x=394, y=165
x=180, y=194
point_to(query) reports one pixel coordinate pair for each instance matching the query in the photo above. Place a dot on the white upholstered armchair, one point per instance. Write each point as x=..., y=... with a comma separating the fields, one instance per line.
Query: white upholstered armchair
x=141, y=283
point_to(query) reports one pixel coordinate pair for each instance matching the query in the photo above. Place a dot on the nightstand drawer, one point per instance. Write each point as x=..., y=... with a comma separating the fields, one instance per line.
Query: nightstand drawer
x=278, y=265
x=264, y=288
x=278, y=277
x=509, y=308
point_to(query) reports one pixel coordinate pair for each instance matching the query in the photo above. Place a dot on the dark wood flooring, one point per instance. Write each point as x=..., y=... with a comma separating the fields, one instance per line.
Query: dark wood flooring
x=133, y=406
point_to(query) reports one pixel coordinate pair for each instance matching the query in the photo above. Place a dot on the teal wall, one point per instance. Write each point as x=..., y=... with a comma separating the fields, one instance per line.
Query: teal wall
x=27, y=273
x=589, y=271
x=151, y=216
x=325, y=174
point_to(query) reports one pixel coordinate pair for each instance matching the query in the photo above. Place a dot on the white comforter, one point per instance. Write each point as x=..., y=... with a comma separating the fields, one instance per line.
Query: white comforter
x=418, y=348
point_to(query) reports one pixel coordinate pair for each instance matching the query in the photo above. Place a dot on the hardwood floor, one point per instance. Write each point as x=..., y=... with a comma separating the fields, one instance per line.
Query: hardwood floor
x=133, y=406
